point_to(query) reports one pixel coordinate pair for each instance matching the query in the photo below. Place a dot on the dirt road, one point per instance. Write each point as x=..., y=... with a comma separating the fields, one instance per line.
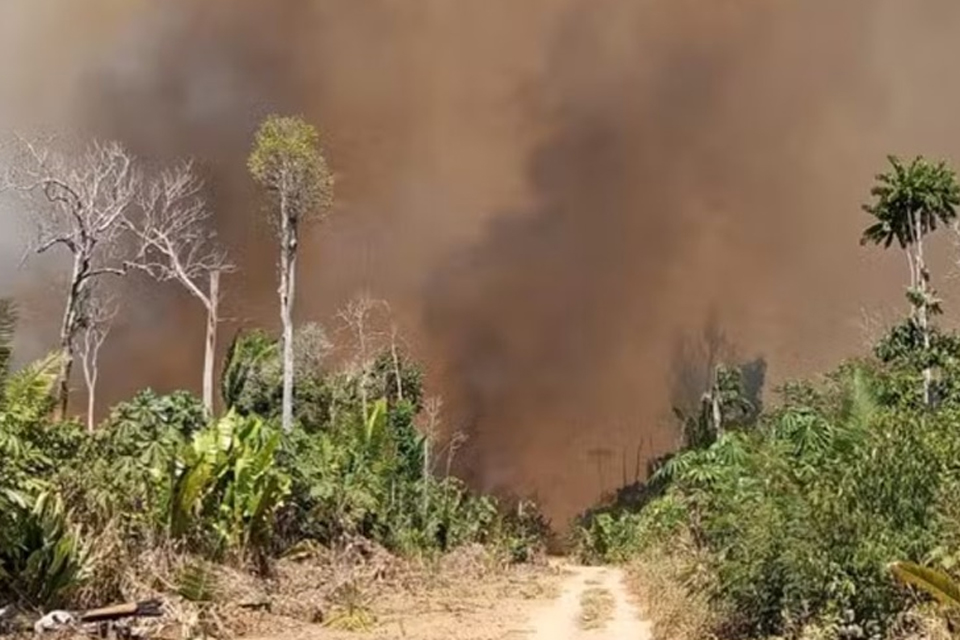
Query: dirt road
x=594, y=604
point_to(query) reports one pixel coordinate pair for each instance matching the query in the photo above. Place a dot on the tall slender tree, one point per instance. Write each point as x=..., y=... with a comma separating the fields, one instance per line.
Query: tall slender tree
x=177, y=244
x=910, y=201
x=287, y=161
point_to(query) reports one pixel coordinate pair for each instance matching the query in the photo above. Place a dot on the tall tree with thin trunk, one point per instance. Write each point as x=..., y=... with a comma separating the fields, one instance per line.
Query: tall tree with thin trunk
x=85, y=198
x=287, y=162
x=177, y=243
x=910, y=201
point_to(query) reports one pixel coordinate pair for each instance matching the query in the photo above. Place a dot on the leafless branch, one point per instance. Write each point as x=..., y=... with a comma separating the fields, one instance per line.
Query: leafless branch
x=97, y=315
x=356, y=318
x=176, y=242
x=86, y=198
x=173, y=227
x=88, y=194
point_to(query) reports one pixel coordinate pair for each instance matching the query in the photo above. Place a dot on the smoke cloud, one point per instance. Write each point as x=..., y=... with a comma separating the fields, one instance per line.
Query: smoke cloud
x=551, y=194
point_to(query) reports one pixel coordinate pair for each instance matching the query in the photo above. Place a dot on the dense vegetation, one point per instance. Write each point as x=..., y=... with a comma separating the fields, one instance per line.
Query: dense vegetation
x=788, y=519
x=77, y=507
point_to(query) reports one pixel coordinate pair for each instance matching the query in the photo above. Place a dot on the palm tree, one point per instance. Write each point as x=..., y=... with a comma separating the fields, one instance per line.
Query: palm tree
x=910, y=201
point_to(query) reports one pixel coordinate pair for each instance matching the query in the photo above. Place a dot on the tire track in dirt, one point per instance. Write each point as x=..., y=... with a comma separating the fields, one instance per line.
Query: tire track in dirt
x=560, y=620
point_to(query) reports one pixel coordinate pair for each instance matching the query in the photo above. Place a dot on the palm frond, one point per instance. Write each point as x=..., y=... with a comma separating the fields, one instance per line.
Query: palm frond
x=27, y=394
x=933, y=582
x=916, y=195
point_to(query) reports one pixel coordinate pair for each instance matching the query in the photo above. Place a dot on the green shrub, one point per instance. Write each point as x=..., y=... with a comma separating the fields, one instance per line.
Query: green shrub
x=122, y=468
x=227, y=487
x=798, y=518
x=42, y=556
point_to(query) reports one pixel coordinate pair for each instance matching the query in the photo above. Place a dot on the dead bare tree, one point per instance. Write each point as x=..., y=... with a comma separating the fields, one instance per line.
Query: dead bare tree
x=97, y=314
x=430, y=427
x=86, y=197
x=357, y=318
x=177, y=244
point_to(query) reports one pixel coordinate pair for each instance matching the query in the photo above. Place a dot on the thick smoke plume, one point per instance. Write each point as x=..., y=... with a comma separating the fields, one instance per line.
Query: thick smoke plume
x=552, y=194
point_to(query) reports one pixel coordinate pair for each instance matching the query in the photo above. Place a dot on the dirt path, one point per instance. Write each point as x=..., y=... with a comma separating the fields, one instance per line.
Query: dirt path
x=563, y=602
x=563, y=619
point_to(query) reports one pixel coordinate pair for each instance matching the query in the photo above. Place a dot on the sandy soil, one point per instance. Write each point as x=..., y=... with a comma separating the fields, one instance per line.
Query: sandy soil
x=530, y=606
x=560, y=620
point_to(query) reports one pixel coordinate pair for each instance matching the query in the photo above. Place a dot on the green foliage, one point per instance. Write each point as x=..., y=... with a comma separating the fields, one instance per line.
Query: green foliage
x=920, y=194
x=288, y=162
x=26, y=394
x=795, y=521
x=525, y=532
x=250, y=383
x=149, y=416
x=124, y=466
x=237, y=488
x=227, y=483
x=42, y=556
x=197, y=582
x=724, y=406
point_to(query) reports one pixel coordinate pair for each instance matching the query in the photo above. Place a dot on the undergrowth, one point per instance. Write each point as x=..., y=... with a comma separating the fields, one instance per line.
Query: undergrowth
x=787, y=522
x=160, y=496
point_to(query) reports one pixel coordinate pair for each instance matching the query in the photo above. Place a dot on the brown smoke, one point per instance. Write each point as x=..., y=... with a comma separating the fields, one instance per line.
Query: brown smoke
x=550, y=193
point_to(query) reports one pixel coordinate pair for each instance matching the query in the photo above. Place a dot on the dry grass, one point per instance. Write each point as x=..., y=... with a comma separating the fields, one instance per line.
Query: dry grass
x=596, y=608
x=328, y=594
x=661, y=580
x=925, y=622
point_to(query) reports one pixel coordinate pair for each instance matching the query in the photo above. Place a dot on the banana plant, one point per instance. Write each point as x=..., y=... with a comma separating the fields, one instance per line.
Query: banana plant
x=228, y=475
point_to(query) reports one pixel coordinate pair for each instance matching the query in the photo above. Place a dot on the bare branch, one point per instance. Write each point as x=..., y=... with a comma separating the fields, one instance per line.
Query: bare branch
x=175, y=241
x=85, y=197
x=176, y=244
x=97, y=315
x=356, y=318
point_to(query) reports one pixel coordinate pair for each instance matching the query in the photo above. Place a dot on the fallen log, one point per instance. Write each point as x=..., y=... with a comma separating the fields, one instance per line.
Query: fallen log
x=143, y=609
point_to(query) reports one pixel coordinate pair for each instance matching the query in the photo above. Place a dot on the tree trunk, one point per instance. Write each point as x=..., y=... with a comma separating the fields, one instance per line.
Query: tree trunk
x=715, y=409
x=362, y=337
x=288, y=263
x=922, y=309
x=396, y=367
x=67, y=330
x=426, y=474
x=63, y=379
x=91, y=404
x=210, y=353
